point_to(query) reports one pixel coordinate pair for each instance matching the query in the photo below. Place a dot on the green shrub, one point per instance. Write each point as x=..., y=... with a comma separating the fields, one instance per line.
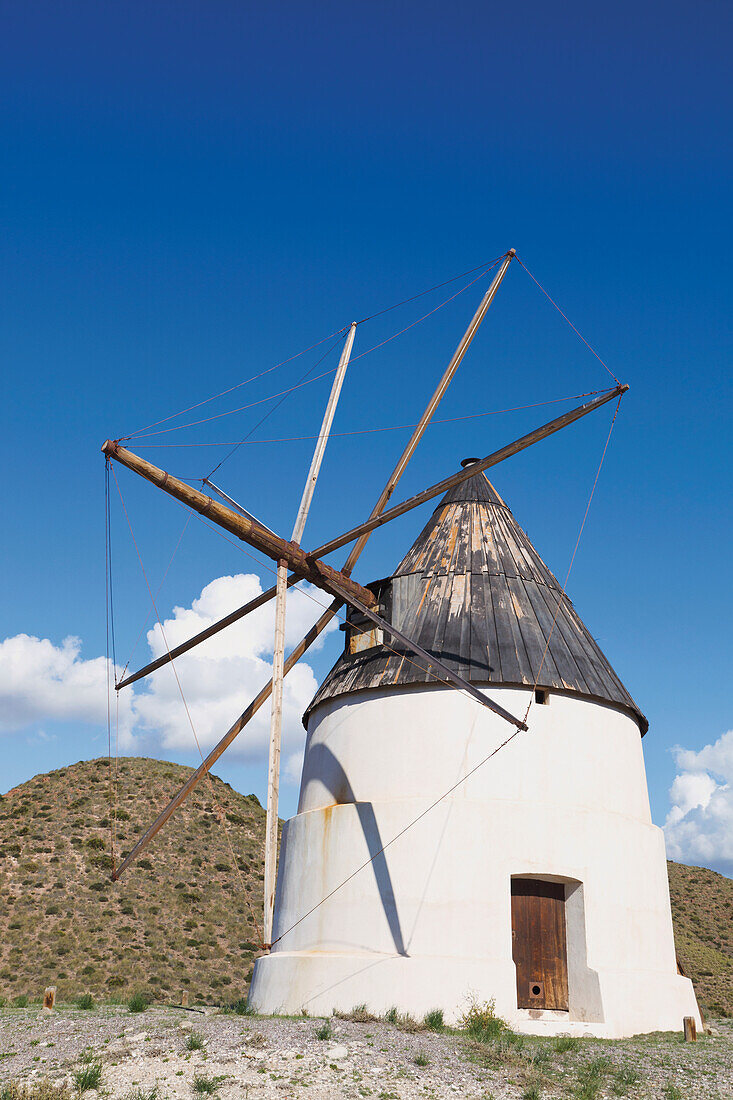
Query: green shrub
x=325, y=1031
x=434, y=1019
x=138, y=1002
x=85, y=1001
x=422, y=1059
x=195, y=1041
x=242, y=1008
x=96, y=842
x=564, y=1043
x=391, y=1015
x=482, y=1023
x=21, y=1001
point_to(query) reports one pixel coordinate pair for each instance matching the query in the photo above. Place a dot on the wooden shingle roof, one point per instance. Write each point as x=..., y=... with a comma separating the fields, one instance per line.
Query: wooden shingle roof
x=474, y=591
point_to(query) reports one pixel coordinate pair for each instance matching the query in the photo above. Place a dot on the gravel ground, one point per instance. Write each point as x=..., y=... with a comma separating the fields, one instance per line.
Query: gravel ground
x=258, y=1057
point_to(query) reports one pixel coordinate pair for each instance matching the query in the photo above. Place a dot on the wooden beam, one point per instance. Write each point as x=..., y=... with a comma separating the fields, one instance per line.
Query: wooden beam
x=278, y=652
x=243, y=527
x=469, y=471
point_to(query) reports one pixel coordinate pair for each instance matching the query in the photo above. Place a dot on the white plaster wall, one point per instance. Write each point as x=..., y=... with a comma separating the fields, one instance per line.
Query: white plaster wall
x=427, y=922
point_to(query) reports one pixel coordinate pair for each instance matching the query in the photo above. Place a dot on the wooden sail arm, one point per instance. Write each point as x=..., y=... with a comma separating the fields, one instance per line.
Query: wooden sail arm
x=243, y=527
x=470, y=471
x=434, y=662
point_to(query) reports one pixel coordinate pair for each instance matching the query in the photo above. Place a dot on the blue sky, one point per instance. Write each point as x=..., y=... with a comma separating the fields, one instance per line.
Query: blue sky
x=193, y=192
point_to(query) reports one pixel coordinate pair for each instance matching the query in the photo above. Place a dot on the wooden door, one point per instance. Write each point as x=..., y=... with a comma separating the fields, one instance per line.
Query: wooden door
x=539, y=947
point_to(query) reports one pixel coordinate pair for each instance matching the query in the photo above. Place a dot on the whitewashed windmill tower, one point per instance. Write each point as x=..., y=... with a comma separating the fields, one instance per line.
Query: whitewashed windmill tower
x=540, y=881
x=445, y=846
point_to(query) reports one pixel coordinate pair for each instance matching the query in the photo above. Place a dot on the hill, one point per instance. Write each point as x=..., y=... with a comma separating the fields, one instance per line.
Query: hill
x=183, y=919
x=702, y=912
x=178, y=920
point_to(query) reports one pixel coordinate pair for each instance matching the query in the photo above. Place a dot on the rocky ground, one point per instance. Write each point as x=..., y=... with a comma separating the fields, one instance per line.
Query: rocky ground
x=174, y=1054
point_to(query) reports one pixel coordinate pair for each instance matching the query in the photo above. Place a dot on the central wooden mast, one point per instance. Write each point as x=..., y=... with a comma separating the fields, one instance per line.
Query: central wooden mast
x=278, y=655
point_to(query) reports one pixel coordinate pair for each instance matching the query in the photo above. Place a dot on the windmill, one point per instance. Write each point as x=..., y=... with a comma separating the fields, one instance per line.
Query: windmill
x=405, y=679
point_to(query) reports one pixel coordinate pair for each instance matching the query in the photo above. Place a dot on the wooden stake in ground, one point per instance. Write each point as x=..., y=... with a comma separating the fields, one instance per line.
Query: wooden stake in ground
x=278, y=658
x=690, y=1029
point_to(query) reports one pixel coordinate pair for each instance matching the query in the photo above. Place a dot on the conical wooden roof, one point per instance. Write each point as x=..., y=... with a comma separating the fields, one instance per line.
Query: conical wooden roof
x=474, y=591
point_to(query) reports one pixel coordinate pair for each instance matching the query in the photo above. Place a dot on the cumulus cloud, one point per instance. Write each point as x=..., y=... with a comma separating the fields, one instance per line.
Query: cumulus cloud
x=42, y=683
x=699, y=826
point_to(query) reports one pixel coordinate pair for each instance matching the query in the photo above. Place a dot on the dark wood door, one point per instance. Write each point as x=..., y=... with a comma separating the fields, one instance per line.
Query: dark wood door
x=539, y=947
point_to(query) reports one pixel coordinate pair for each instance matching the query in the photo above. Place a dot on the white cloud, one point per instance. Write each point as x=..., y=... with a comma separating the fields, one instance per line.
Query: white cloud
x=43, y=683
x=699, y=826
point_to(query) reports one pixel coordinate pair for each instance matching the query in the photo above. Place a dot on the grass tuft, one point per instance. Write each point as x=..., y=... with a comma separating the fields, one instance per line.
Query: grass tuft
x=138, y=1002
x=85, y=1001
x=422, y=1059
x=325, y=1031
x=591, y=1077
x=140, y=1093
x=88, y=1076
x=434, y=1019
x=359, y=1014
x=195, y=1041
x=203, y=1085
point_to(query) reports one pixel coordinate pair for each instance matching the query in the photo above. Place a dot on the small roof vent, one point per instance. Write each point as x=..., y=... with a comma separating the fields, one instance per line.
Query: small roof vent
x=469, y=462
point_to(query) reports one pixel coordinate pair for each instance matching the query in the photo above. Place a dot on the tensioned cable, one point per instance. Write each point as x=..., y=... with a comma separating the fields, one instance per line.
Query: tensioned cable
x=494, y=751
x=354, y=358
x=425, y=315
x=557, y=307
x=273, y=410
x=241, y=408
x=373, y=431
x=282, y=363
x=221, y=816
x=305, y=381
x=572, y=559
x=238, y=386
x=157, y=593
x=438, y=286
